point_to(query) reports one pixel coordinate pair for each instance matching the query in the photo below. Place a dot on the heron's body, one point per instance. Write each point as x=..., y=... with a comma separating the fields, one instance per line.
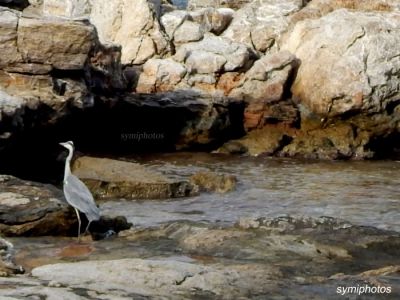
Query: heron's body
x=76, y=193
x=79, y=196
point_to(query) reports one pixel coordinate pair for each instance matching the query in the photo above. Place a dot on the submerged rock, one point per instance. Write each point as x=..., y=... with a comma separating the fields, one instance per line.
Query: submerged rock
x=108, y=178
x=212, y=182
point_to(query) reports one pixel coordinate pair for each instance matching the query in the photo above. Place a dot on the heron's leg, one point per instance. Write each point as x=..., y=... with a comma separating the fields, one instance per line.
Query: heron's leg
x=79, y=223
x=87, y=227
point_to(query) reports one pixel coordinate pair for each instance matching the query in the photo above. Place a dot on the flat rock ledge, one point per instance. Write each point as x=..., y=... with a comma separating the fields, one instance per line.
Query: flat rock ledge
x=258, y=258
x=109, y=178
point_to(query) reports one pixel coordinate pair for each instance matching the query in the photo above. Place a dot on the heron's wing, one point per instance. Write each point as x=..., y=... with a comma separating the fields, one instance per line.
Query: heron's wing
x=79, y=196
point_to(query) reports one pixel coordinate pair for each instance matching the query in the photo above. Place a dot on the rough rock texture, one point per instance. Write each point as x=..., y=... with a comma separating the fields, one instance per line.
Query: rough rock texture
x=212, y=54
x=108, y=178
x=260, y=23
x=160, y=75
x=7, y=263
x=212, y=182
x=326, y=6
x=66, y=8
x=361, y=82
x=363, y=64
x=235, y=4
x=166, y=278
x=263, y=88
x=188, y=32
x=34, y=209
x=49, y=76
x=132, y=24
x=29, y=208
x=213, y=20
x=252, y=259
x=172, y=20
x=68, y=48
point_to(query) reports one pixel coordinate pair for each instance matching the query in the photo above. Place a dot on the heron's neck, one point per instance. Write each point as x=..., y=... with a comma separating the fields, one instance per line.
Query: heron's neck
x=67, y=170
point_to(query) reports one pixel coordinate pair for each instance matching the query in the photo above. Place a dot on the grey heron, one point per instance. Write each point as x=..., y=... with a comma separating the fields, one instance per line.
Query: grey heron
x=76, y=192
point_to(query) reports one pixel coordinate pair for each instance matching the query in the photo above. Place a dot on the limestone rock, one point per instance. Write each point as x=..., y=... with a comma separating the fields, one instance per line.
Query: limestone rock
x=235, y=4
x=108, y=178
x=8, y=37
x=363, y=62
x=66, y=8
x=212, y=54
x=263, y=88
x=213, y=20
x=187, y=32
x=327, y=6
x=132, y=24
x=159, y=278
x=9, y=105
x=42, y=89
x=160, y=75
x=172, y=20
x=68, y=48
x=260, y=23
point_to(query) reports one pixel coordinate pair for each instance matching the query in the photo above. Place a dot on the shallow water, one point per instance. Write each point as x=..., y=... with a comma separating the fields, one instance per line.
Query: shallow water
x=364, y=193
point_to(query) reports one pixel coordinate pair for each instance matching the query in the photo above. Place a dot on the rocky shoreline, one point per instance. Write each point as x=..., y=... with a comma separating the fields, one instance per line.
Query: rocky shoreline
x=278, y=78
x=247, y=261
x=315, y=79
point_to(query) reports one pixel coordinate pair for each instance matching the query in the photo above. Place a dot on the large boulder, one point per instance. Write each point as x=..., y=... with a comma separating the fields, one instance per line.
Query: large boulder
x=29, y=208
x=260, y=23
x=132, y=24
x=212, y=55
x=355, y=56
x=68, y=49
x=51, y=75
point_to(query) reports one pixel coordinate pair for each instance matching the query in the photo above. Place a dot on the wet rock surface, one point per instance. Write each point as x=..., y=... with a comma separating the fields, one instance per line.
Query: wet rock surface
x=252, y=260
x=213, y=182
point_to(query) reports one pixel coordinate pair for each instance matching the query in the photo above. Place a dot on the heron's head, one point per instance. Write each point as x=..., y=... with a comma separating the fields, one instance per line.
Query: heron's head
x=69, y=145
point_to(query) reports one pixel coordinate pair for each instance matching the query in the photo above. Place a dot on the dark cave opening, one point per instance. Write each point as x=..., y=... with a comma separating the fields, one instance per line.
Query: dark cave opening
x=386, y=147
x=109, y=129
